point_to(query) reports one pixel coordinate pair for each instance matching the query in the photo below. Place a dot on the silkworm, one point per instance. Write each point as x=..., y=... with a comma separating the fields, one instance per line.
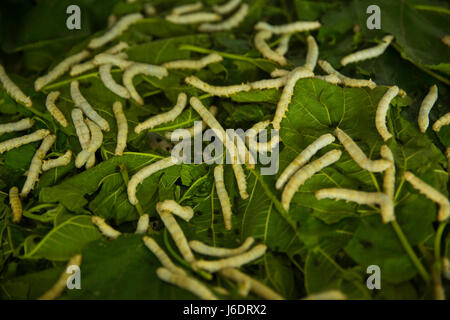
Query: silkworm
x=279, y=73
x=442, y=121
x=327, y=295
x=186, y=282
x=122, y=128
x=369, y=198
x=312, y=54
x=262, y=46
x=193, y=18
x=60, y=69
x=186, y=213
x=330, y=78
x=228, y=24
x=241, y=180
x=346, y=81
x=105, y=228
x=112, y=20
x=380, y=116
x=303, y=174
x=163, y=258
x=288, y=91
x=369, y=53
x=220, y=91
x=389, y=173
x=121, y=25
x=144, y=173
x=12, y=89
x=60, y=285
x=358, y=155
x=16, y=204
x=255, y=286
x=193, y=64
x=104, y=72
x=142, y=224
x=268, y=83
x=207, y=250
x=431, y=193
x=298, y=26
x=20, y=125
x=118, y=60
x=164, y=117
x=22, y=140
x=54, y=110
x=446, y=40
x=227, y=7
x=141, y=68
x=261, y=146
x=81, y=102
x=222, y=194
x=81, y=128
x=244, y=287
x=186, y=8
x=94, y=144
x=283, y=45
x=190, y=131
x=425, y=108
x=232, y=262
x=36, y=165
x=303, y=158
x=58, y=162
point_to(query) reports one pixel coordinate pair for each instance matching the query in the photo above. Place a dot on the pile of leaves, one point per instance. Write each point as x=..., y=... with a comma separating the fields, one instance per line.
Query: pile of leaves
x=317, y=245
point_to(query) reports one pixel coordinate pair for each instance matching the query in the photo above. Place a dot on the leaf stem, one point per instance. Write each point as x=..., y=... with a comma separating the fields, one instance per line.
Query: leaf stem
x=124, y=174
x=431, y=8
x=437, y=243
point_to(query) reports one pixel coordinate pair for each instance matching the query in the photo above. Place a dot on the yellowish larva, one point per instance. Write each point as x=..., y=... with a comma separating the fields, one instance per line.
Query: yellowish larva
x=190, y=131
x=223, y=91
x=186, y=213
x=20, y=125
x=118, y=60
x=112, y=20
x=116, y=30
x=193, y=64
x=222, y=194
x=269, y=83
x=122, y=128
x=142, y=224
x=425, y=108
x=346, y=81
x=16, y=204
x=228, y=24
x=58, y=162
x=83, y=133
x=207, y=250
x=298, y=26
x=446, y=40
x=326, y=295
x=186, y=8
x=241, y=180
x=13, y=90
x=165, y=260
x=312, y=54
x=104, y=72
x=94, y=144
x=54, y=110
x=105, y=228
x=389, y=173
x=283, y=45
x=22, y=140
x=261, y=146
x=369, y=53
x=442, y=121
x=279, y=73
x=227, y=7
x=380, y=116
x=192, y=18
x=303, y=174
x=330, y=78
x=261, y=45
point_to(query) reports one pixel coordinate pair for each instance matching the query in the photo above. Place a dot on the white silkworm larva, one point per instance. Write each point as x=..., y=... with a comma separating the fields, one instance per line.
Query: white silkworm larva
x=223, y=91
x=369, y=53
x=303, y=158
x=381, y=114
x=142, y=224
x=105, y=228
x=330, y=78
x=16, y=126
x=16, y=204
x=140, y=68
x=303, y=174
x=186, y=213
x=232, y=262
x=241, y=180
x=222, y=194
x=191, y=131
x=228, y=24
x=165, y=260
x=60, y=69
x=112, y=20
x=186, y=8
x=207, y=250
x=262, y=46
x=283, y=45
x=349, y=82
x=81, y=102
x=118, y=60
x=58, y=162
x=312, y=54
x=286, y=95
x=358, y=155
x=144, y=173
x=360, y=197
x=36, y=165
x=298, y=26
x=186, y=282
x=327, y=295
x=269, y=83
x=58, y=288
x=164, y=117
x=193, y=64
x=122, y=128
x=261, y=146
x=425, y=108
x=192, y=18
x=442, y=121
x=54, y=110
x=446, y=40
x=104, y=72
x=116, y=30
x=244, y=287
x=279, y=73
x=12, y=89
x=83, y=133
x=227, y=7
x=255, y=286
x=389, y=173
x=20, y=141
x=431, y=193
x=94, y=144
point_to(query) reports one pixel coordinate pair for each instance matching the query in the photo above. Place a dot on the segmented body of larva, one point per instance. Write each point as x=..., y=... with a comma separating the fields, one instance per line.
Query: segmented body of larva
x=22, y=140
x=360, y=197
x=228, y=24
x=330, y=78
x=346, y=81
x=36, y=165
x=186, y=8
x=283, y=45
x=279, y=73
x=94, y=144
x=186, y=282
x=222, y=194
x=389, y=173
x=442, y=121
x=193, y=64
x=119, y=60
x=207, y=250
x=303, y=158
x=190, y=131
x=116, y=30
x=358, y=155
x=105, y=228
x=20, y=125
x=288, y=91
x=81, y=128
x=261, y=45
x=54, y=110
x=380, y=116
x=224, y=91
x=192, y=18
x=244, y=287
x=241, y=180
x=369, y=53
x=12, y=89
x=16, y=204
x=164, y=117
x=298, y=26
x=141, y=68
x=261, y=146
x=425, y=108
x=227, y=7
x=58, y=162
x=165, y=260
x=431, y=193
x=104, y=72
x=142, y=224
x=268, y=83
x=312, y=54
x=303, y=174
x=186, y=213
x=58, y=288
x=232, y=262
x=327, y=295
x=122, y=128
x=60, y=69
